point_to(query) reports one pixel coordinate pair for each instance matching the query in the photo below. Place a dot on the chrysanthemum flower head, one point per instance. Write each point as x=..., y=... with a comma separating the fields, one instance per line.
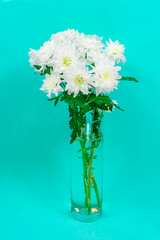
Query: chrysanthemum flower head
x=116, y=50
x=43, y=56
x=78, y=80
x=51, y=84
x=66, y=56
x=105, y=76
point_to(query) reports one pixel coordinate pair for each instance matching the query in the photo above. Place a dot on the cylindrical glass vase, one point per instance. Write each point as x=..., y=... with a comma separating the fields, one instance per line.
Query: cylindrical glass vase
x=86, y=173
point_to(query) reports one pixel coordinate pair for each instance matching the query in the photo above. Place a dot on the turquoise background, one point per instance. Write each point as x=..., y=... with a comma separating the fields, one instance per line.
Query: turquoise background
x=34, y=147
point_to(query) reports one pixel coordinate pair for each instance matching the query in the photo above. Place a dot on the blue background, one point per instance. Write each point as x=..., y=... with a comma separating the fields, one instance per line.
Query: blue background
x=34, y=147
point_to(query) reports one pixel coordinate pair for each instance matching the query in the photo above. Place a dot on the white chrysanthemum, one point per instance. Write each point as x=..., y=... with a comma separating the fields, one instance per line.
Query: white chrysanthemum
x=116, y=50
x=67, y=36
x=105, y=75
x=98, y=56
x=90, y=45
x=65, y=58
x=52, y=84
x=43, y=56
x=78, y=80
x=90, y=42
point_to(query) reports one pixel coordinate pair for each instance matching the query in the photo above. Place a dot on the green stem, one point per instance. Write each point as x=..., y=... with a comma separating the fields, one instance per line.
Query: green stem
x=96, y=191
x=90, y=168
x=84, y=172
x=90, y=180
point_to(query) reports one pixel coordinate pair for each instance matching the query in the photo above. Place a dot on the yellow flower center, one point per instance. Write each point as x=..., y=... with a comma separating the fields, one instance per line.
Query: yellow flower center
x=52, y=81
x=104, y=76
x=115, y=51
x=79, y=80
x=67, y=61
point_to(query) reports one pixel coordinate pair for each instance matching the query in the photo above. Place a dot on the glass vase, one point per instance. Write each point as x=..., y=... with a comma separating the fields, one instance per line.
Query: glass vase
x=86, y=173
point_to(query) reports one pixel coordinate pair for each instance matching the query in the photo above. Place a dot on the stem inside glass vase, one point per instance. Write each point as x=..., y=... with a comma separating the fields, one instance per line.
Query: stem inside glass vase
x=86, y=169
x=88, y=176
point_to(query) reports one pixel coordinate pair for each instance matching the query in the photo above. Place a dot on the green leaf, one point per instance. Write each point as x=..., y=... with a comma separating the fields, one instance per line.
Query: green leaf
x=73, y=136
x=76, y=122
x=56, y=99
x=51, y=99
x=48, y=70
x=86, y=109
x=128, y=79
x=71, y=100
x=116, y=106
x=103, y=103
x=98, y=100
x=37, y=67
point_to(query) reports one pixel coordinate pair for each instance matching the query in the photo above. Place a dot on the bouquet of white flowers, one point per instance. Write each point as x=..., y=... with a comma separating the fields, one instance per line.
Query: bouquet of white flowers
x=81, y=71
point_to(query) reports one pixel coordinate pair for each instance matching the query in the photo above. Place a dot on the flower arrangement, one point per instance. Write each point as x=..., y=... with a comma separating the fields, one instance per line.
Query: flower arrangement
x=81, y=71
